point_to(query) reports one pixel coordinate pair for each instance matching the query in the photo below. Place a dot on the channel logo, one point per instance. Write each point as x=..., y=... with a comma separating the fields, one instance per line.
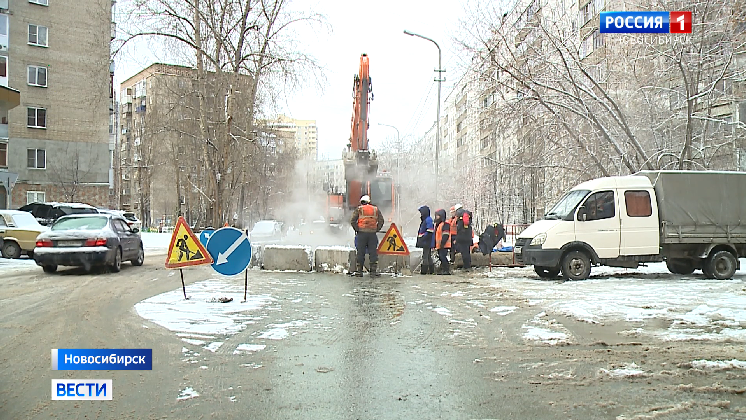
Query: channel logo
x=102, y=359
x=81, y=389
x=646, y=22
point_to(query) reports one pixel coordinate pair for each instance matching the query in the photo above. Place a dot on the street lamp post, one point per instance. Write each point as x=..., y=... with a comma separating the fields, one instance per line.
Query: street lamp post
x=438, y=79
x=398, y=174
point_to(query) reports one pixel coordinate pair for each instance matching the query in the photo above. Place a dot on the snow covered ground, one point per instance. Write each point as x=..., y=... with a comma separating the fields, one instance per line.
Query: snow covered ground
x=651, y=300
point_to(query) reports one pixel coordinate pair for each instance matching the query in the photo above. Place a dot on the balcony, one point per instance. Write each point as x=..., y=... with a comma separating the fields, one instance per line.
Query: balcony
x=3, y=131
x=113, y=30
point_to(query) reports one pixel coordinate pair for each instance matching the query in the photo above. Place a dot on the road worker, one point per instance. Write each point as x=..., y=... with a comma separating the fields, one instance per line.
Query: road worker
x=442, y=241
x=366, y=220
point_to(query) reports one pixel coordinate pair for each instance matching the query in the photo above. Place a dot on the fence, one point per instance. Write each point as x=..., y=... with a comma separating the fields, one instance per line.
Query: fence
x=511, y=233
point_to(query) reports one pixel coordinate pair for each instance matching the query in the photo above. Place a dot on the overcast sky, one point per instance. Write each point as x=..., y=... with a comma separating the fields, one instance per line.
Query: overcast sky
x=401, y=67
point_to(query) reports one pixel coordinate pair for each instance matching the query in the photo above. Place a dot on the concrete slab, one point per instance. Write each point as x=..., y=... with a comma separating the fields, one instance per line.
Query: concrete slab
x=479, y=260
x=334, y=258
x=287, y=257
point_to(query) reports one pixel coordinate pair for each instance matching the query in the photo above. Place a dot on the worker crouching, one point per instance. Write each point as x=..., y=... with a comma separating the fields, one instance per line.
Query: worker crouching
x=366, y=220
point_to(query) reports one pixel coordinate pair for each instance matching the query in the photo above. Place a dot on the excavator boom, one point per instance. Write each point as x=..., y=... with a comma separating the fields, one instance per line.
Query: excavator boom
x=362, y=93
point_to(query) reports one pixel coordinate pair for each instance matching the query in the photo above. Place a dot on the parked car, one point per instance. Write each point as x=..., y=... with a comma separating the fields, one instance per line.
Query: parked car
x=47, y=213
x=89, y=240
x=266, y=230
x=18, y=230
x=129, y=216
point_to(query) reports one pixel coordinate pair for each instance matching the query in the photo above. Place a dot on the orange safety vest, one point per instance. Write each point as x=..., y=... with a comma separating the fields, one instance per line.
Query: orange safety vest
x=367, y=217
x=452, y=222
x=439, y=238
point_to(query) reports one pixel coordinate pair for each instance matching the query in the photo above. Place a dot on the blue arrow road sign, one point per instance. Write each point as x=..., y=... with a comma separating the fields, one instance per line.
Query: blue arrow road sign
x=230, y=250
x=204, y=236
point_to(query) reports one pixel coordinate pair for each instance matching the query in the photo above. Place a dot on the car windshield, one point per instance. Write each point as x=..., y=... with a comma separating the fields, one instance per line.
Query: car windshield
x=263, y=227
x=566, y=205
x=130, y=216
x=80, y=223
x=77, y=210
x=26, y=220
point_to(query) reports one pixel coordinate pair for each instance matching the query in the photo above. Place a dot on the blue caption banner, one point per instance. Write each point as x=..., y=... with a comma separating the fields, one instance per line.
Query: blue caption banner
x=102, y=359
x=634, y=23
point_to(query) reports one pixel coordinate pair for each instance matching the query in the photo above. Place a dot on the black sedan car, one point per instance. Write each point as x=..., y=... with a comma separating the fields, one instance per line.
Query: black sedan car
x=88, y=240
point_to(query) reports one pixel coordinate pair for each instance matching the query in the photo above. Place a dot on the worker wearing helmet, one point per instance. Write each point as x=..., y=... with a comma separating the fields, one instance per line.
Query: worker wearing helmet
x=366, y=220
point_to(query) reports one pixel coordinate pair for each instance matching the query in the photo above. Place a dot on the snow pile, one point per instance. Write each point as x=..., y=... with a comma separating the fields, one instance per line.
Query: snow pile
x=628, y=370
x=214, y=346
x=280, y=331
x=718, y=365
x=248, y=348
x=545, y=331
x=187, y=393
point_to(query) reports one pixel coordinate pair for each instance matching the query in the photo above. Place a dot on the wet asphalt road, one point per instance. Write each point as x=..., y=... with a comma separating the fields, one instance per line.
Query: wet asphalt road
x=355, y=349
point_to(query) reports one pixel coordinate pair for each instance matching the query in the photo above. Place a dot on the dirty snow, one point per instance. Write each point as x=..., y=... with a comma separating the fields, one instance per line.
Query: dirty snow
x=187, y=393
x=196, y=315
x=503, y=310
x=443, y=311
x=695, y=308
x=214, y=346
x=193, y=341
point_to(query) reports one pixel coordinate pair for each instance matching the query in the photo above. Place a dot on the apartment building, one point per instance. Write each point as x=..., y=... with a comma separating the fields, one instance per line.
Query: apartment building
x=155, y=160
x=56, y=54
x=305, y=132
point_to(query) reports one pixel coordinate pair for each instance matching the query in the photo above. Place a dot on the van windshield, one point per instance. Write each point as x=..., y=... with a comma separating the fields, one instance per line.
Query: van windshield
x=566, y=205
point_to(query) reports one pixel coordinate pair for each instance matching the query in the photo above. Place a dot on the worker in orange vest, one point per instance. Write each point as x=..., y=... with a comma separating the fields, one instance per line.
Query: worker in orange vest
x=442, y=241
x=366, y=220
x=452, y=232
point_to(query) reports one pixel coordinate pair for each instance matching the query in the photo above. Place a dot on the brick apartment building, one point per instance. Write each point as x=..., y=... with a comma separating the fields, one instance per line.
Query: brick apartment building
x=57, y=140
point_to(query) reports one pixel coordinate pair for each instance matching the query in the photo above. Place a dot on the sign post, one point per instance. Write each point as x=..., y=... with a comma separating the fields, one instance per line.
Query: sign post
x=230, y=250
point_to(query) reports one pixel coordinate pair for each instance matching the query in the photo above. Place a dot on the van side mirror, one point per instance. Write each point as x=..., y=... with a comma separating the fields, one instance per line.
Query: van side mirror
x=582, y=214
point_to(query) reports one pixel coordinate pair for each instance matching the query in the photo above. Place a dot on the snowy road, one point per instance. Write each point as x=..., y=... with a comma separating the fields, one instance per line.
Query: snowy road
x=502, y=344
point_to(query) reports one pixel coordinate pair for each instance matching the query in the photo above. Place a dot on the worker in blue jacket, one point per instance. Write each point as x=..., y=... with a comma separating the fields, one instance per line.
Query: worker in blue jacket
x=426, y=240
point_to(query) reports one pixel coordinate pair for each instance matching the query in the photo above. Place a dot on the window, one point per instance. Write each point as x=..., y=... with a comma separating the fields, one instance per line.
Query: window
x=638, y=203
x=599, y=206
x=3, y=66
x=37, y=35
x=3, y=155
x=35, y=197
x=37, y=117
x=3, y=24
x=40, y=2
x=37, y=76
x=37, y=158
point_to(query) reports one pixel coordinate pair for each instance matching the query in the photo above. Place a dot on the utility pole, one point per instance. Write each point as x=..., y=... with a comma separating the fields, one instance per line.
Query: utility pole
x=438, y=78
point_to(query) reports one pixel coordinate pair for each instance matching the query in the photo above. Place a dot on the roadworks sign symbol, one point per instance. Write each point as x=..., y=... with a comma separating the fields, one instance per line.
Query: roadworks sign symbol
x=185, y=249
x=392, y=243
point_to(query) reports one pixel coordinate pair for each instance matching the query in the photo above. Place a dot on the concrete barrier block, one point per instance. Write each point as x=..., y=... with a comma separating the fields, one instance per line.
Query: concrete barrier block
x=389, y=263
x=334, y=258
x=287, y=257
x=479, y=260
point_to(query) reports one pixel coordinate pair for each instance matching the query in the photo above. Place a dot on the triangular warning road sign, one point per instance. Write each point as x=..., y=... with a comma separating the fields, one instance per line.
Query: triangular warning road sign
x=392, y=243
x=185, y=249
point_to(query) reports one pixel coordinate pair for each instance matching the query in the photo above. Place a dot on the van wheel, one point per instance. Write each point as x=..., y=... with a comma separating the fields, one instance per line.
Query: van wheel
x=576, y=265
x=547, y=272
x=680, y=265
x=49, y=268
x=721, y=265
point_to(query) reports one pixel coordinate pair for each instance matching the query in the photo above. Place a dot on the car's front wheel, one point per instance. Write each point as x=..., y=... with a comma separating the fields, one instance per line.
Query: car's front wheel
x=49, y=268
x=116, y=265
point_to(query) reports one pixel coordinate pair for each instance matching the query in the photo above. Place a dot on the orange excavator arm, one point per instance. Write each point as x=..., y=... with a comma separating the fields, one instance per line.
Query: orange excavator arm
x=362, y=90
